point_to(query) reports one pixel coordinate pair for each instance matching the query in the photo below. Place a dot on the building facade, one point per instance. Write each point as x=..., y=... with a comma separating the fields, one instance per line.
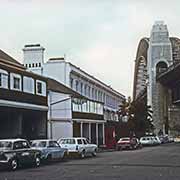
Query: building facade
x=23, y=101
x=84, y=84
x=71, y=114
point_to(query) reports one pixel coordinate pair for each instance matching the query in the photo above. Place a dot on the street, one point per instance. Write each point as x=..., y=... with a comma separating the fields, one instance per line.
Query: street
x=160, y=162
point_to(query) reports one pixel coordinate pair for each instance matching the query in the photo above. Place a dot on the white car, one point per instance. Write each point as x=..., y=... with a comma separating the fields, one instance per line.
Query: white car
x=79, y=146
x=147, y=141
x=156, y=140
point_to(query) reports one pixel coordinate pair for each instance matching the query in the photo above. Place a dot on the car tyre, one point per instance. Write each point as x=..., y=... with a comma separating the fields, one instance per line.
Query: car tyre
x=82, y=155
x=37, y=161
x=14, y=164
x=94, y=154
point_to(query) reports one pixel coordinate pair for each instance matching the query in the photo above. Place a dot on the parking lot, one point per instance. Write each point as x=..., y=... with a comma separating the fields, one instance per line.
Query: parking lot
x=158, y=162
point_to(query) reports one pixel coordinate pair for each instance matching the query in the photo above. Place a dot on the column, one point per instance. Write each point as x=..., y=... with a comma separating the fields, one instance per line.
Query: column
x=103, y=133
x=97, y=134
x=90, y=132
x=81, y=129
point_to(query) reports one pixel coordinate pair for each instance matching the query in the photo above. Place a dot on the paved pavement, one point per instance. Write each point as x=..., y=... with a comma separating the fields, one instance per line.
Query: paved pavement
x=151, y=163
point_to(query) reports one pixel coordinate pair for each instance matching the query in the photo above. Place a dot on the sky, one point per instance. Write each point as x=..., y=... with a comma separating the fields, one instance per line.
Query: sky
x=99, y=36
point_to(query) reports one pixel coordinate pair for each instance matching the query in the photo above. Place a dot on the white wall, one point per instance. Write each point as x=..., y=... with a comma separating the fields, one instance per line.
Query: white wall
x=59, y=115
x=58, y=70
x=61, y=130
x=60, y=110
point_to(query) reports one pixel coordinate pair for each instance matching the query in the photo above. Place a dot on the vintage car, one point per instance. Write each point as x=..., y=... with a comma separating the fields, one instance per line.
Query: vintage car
x=50, y=149
x=78, y=146
x=17, y=152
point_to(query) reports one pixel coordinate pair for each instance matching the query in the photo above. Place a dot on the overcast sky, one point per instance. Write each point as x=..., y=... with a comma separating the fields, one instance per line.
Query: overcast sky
x=100, y=36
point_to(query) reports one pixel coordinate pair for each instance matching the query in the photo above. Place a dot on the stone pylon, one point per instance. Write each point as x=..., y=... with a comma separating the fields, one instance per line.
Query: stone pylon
x=159, y=58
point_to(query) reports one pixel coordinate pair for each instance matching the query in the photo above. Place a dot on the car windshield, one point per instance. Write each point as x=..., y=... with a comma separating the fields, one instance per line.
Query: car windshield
x=5, y=144
x=39, y=144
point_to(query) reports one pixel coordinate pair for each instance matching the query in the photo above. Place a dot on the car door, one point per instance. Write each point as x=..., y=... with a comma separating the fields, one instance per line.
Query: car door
x=87, y=146
x=81, y=145
x=22, y=151
x=69, y=144
x=55, y=150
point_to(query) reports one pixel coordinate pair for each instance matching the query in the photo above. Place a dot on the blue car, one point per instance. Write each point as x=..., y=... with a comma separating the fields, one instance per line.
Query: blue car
x=50, y=149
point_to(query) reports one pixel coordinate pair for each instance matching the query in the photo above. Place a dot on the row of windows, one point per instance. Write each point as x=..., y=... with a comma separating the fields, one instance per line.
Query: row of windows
x=16, y=82
x=33, y=65
x=85, y=106
x=93, y=93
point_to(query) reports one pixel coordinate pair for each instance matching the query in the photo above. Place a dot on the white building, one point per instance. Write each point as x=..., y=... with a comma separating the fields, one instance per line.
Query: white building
x=79, y=81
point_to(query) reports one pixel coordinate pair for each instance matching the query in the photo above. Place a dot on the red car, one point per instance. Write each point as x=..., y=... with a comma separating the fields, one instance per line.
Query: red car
x=127, y=143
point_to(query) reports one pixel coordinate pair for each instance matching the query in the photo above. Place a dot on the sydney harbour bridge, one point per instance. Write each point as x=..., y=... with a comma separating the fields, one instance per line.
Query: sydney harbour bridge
x=157, y=77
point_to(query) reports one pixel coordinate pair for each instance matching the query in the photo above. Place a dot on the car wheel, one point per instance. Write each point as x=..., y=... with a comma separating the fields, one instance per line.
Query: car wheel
x=14, y=164
x=37, y=161
x=82, y=155
x=94, y=153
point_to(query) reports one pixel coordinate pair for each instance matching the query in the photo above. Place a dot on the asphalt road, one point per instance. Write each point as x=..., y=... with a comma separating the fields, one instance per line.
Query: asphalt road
x=151, y=163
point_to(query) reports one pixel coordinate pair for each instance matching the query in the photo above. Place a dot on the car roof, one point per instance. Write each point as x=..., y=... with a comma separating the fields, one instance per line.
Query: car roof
x=13, y=140
x=46, y=140
x=74, y=138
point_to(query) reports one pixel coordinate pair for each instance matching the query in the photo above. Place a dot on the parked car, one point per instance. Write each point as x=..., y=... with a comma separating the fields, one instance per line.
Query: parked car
x=164, y=138
x=177, y=139
x=78, y=146
x=17, y=152
x=128, y=143
x=171, y=139
x=50, y=149
x=147, y=141
x=156, y=140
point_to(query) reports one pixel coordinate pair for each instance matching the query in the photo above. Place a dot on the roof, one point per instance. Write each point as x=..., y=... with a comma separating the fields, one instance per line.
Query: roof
x=109, y=88
x=9, y=59
x=7, y=62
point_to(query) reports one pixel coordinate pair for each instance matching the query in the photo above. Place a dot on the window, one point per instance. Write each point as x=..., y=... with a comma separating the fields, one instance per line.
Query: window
x=71, y=82
x=81, y=90
x=20, y=145
x=89, y=91
x=16, y=83
x=38, y=144
x=77, y=84
x=39, y=88
x=79, y=141
x=53, y=144
x=28, y=84
x=84, y=141
x=67, y=141
x=85, y=90
x=3, y=79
